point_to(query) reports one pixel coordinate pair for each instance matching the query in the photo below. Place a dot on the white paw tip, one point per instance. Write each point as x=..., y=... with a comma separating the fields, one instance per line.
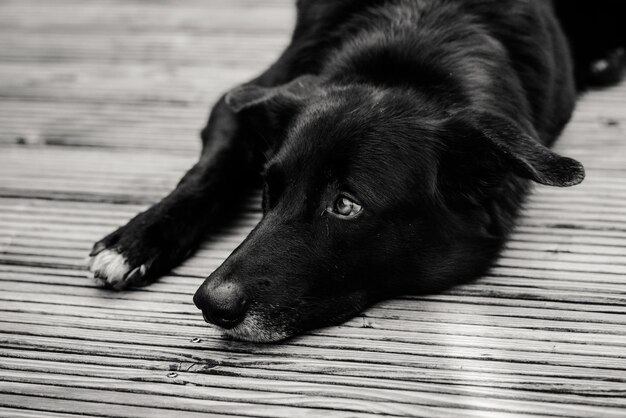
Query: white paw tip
x=109, y=266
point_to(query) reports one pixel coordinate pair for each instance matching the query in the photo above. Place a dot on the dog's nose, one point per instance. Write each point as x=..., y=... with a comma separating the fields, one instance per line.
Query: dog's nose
x=223, y=303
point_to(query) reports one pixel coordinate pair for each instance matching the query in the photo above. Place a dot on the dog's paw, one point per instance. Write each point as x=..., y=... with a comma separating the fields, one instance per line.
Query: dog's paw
x=141, y=251
x=122, y=259
x=112, y=269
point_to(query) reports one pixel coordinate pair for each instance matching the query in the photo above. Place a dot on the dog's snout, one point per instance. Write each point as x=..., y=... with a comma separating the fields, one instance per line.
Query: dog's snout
x=223, y=302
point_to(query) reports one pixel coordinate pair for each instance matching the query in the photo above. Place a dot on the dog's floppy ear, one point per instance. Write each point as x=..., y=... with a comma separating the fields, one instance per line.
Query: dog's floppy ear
x=287, y=96
x=520, y=152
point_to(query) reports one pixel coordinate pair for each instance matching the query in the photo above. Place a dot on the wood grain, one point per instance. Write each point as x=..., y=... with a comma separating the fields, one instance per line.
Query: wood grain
x=101, y=103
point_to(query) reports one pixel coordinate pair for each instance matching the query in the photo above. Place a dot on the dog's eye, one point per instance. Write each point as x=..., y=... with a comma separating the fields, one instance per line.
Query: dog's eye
x=345, y=207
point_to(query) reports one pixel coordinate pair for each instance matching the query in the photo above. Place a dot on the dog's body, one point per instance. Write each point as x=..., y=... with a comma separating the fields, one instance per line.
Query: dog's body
x=400, y=138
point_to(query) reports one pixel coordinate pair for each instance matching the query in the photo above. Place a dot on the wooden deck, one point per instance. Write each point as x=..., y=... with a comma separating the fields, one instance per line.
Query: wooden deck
x=100, y=107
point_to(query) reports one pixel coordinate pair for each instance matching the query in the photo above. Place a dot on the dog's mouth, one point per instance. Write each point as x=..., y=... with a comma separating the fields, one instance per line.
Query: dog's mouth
x=253, y=328
x=223, y=323
x=270, y=323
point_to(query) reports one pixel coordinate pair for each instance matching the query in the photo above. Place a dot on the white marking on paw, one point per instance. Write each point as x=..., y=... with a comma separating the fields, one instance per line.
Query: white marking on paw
x=109, y=266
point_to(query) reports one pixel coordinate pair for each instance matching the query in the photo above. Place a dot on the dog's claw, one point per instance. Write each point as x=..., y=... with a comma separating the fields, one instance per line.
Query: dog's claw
x=136, y=273
x=97, y=249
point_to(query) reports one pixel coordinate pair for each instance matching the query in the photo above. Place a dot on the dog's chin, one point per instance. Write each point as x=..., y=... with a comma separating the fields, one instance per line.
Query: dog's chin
x=258, y=330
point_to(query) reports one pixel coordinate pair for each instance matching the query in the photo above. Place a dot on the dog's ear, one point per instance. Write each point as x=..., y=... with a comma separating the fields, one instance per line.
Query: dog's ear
x=278, y=98
x=502, y=144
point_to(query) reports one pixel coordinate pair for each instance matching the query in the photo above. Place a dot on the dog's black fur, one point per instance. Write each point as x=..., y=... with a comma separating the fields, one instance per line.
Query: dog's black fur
x=397, y=139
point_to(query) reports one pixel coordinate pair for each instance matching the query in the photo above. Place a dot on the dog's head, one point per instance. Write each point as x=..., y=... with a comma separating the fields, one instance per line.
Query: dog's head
x=371, y=192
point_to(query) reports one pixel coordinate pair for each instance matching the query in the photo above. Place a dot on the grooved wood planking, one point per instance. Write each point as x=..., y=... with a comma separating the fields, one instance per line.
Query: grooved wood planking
x=101, y=103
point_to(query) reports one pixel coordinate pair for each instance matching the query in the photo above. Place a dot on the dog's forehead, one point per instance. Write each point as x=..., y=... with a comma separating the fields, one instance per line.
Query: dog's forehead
x=368, y=139
x=344, y=119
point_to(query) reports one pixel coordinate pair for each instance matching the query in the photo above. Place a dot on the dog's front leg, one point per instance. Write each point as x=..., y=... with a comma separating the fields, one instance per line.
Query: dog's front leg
x=158, y=239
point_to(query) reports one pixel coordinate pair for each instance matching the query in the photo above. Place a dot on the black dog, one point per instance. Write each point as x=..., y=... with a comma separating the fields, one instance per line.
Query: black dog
x=397, y=140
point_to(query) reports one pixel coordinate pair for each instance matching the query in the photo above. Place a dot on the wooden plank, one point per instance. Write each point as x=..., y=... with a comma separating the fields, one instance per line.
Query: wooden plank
x=39, y=406
x=403, y=404
x=256, y=377
x=196, y=358
x=206, y=17
x=415, y=341
x=359, y=352
x=22, y=413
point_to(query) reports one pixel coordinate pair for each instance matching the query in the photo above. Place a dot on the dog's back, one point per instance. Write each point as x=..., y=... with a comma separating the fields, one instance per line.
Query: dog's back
x=527, y=29
x=462, y=50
